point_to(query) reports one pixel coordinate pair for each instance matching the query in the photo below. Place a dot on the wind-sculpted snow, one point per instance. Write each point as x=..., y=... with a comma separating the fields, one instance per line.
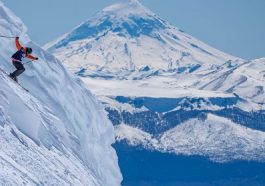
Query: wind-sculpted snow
x=36, y=147
x=23, y=162
x=55, y=134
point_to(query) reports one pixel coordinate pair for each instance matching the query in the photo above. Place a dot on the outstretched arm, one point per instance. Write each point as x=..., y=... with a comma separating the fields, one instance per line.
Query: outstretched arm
x=31, y=57
x=18, y=45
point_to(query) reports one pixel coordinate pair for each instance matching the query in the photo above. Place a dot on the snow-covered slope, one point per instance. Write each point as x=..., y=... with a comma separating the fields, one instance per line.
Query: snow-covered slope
x=246, y=80
x=55, y=134
x=216, y=137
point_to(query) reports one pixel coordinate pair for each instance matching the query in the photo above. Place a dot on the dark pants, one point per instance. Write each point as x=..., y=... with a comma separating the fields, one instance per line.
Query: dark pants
x=20, y=69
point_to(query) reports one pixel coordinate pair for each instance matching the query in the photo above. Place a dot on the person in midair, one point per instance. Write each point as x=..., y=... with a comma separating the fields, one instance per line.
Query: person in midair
x=23, y=52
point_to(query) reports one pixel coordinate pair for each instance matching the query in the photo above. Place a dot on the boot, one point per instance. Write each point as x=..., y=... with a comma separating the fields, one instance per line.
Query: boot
x=13, y=77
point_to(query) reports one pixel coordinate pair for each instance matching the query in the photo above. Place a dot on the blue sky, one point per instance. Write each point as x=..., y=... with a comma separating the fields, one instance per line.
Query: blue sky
x=233, y=26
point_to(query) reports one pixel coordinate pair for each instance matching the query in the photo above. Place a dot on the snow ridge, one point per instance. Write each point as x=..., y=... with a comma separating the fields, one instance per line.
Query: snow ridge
x=59, y=122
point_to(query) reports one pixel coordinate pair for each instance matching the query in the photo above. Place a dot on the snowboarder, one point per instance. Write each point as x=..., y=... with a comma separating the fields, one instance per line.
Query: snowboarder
x=18, y=57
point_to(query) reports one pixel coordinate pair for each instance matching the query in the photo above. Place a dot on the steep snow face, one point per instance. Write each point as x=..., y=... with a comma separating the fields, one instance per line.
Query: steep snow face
x=55, y=134
x=126, y=40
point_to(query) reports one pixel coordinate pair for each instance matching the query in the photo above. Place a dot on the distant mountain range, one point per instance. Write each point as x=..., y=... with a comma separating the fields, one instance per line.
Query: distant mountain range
x=166, y=91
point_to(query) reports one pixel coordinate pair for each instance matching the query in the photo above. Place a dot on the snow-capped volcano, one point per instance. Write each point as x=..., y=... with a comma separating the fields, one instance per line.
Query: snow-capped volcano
x=126, y=40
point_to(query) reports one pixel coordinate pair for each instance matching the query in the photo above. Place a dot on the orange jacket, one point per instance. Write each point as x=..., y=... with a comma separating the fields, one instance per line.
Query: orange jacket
x=18, y=45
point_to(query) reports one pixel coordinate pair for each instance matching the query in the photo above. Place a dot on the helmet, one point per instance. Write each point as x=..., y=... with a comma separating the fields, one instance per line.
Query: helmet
x=28, y=50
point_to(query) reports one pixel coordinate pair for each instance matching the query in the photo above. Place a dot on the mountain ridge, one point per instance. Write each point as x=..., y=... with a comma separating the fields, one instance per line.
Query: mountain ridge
x=168, y=93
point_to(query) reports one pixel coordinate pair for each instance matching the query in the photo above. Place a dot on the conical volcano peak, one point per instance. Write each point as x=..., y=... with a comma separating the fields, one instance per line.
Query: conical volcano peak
x=126, y=37
x=128, y=18
x=126, y=7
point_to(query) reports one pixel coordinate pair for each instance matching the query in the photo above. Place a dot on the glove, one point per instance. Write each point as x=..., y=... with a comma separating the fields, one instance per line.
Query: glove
x=36, y=58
